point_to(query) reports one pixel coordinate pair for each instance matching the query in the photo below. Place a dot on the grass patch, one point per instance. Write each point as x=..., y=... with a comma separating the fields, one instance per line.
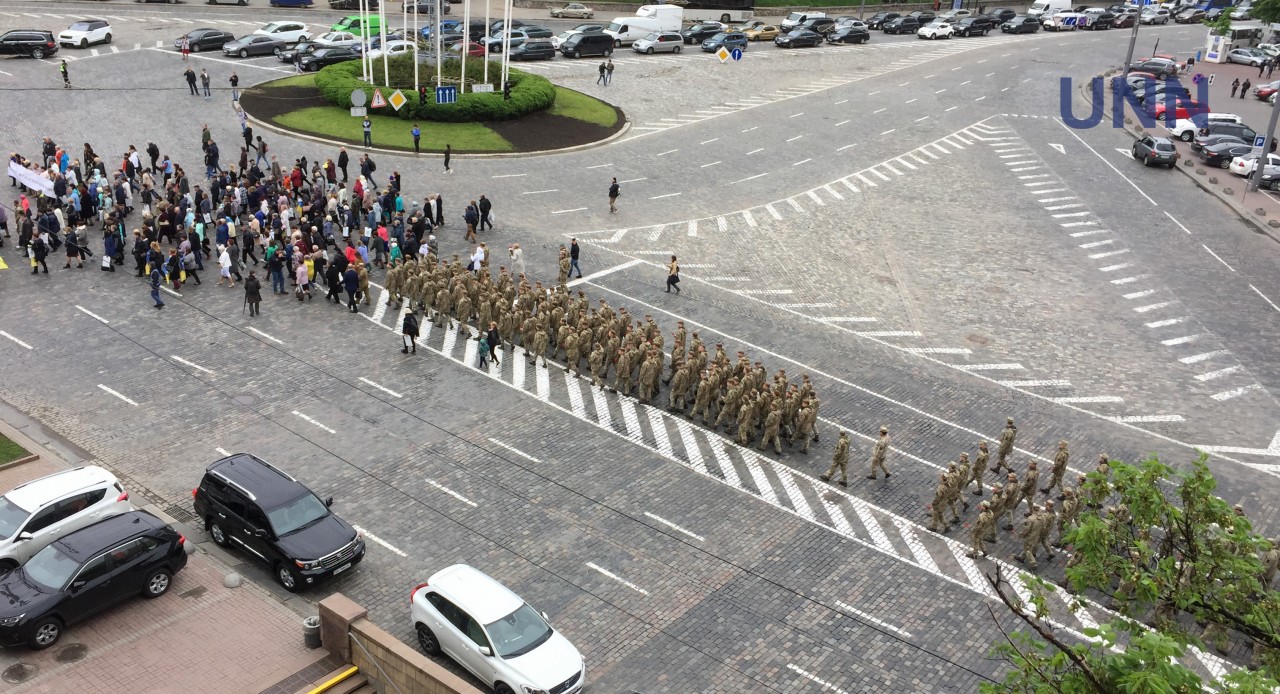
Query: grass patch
x=303, y=80
x=392, y=132
x=579, y=106
x=10, y=451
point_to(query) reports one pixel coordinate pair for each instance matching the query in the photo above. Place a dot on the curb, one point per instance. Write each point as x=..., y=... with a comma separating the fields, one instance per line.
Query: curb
x=272, y=127
x=1245, y=214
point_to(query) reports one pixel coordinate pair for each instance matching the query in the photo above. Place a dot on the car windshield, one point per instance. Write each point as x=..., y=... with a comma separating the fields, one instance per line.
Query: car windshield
x=11, y=517
x=79, y=26
x=518, y=633
x=50, y=567
x=938, y=23
x=297, y=514
x=652, y=36
x=795, y=16
x=719, y=37
x=1164, y=146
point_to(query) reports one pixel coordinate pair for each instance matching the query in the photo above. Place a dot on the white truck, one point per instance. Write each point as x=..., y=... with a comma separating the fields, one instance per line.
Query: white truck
x=795, y=19
x=1046, y=8
x=648, y=19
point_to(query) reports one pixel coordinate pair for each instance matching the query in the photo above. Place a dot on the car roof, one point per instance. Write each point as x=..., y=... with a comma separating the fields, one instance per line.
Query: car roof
x=475, y=592
x=268, y=485
x=37, y=492
x=84, y=543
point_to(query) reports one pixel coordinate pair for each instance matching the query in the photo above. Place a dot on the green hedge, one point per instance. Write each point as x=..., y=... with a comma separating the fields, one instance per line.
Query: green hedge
x=529, y=93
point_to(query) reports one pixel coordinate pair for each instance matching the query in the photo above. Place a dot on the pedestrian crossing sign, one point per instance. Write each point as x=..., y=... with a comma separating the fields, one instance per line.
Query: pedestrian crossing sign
x=378, y=101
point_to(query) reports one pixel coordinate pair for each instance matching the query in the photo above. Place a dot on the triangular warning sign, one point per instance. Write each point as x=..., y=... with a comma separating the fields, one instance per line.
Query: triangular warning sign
x=378, y=101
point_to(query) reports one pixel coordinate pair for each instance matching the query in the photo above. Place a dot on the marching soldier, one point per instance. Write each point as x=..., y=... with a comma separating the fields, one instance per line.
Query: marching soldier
x=745, y=428
x=1067, y=518
x=596, y=362
x=1006, y=504
x=679, y=386
x=571, y=350
x=839, y=460
x=937, y=523
x=952, y=479
x=702, y=401
x=1027, y=490
x=772, y=424
x=985, y=526
x=980, y=466
x=804, y=427
x=877, y=453
x=1058, y=470
x=1006, y=446
x=648, y=376
x=540, y=346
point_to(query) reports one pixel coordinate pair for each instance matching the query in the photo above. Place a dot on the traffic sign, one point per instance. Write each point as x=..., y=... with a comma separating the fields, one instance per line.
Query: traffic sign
x=378, y=101
x=1211, y=76
x=359, y=111
x=446, y=95
x=398, y=100
x=1259, y=140
x=736, y=53
x=358, y=97
x=723, y=54
x=482, y=88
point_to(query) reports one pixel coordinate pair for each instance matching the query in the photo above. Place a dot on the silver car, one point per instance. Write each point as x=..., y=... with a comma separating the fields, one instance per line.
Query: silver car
x=659, y=42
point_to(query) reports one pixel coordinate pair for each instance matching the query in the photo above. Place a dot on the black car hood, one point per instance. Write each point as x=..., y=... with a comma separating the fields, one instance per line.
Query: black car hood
x=21, y=595
x=324, y=537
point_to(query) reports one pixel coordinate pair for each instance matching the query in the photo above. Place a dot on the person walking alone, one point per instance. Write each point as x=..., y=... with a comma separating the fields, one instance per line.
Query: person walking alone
x=204, y=84
x=367, y=125
x=573, y=257
x=486, y=208
x=417, y=136
x=448, y=152
x=235, y=86
x=253, y=293
x=155, y=285
x=66, y=76
x=409, y=333
x=185, y=47
x=614, y=192
x=673, y=275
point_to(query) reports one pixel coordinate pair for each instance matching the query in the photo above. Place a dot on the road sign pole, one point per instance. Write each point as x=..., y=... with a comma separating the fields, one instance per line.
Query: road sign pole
x=439, y=49
x=1256, y=178
x=488, y=23
x=466, y=42
x=862, y=8
x=417, y=36
x=506, y=42
x=382, y=24
x=1128, y=58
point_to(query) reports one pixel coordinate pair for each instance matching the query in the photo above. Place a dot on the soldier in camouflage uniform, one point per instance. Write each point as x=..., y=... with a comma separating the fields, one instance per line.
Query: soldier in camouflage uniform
x=443, y=307
x=839, y=460
x=1070, y=512
x=573, y=356
x=804, y=427
x=982, y=528
x=772, y=425
x=622, y=379
x=1007, y=496
x=877, y=454
x=702, y=401
x=937, y=521
x=1058, y=470
x=679, y=387
x=746, y=431
x=980, y=467
x=648, y=376
x=1027, y=490
x=1006, y=446
x=540, y=346
x=952, y=479
x=732, y=400
x=596, y=362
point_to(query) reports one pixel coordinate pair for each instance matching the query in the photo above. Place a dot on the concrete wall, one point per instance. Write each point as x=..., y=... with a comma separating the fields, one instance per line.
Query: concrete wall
x=609, y=10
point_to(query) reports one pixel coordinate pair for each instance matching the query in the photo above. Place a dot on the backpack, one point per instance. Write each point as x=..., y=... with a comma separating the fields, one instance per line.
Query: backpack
x=372, y=166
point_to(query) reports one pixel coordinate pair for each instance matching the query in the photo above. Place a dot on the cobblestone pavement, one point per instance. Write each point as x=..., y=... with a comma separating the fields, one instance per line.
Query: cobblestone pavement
x=906, y=266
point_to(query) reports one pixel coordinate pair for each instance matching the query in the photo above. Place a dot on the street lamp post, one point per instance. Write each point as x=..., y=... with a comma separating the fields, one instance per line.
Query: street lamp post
x=1256, y=178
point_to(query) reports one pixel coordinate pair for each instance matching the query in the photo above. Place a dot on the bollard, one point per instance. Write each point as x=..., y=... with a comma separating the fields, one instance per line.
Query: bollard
x=311, y=632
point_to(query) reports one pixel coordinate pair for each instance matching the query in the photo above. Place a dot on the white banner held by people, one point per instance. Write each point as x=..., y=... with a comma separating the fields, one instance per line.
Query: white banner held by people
x=31, y=179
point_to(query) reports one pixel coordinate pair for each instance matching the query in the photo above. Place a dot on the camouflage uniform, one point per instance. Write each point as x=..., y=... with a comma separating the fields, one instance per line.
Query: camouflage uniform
x=1058, y=470
x=596, y=362
x=980, y=467
x=839, y=460
x=772, y=423
x=877, y=453
x=937, y=521
x=982, y=528
x=1006, y=446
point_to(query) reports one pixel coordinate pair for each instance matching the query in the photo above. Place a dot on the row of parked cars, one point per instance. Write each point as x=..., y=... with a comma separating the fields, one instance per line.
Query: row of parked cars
x=72, y=546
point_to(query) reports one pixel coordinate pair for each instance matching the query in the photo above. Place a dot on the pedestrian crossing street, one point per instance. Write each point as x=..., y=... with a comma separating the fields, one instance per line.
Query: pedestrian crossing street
x=711, y=455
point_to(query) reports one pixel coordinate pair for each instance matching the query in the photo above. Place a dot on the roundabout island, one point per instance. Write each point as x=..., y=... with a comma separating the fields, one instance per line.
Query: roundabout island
x=536, y=116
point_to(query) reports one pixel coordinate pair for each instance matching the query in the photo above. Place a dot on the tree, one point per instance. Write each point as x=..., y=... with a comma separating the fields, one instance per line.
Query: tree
x=1265, y=11
x=1222, y=25
x=1180, y=556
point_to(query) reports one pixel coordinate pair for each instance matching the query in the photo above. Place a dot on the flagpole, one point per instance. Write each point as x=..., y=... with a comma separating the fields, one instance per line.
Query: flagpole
x=488, y=23
x=466, y=44
x=417, y=36
x=382, y=26
x=439, y=46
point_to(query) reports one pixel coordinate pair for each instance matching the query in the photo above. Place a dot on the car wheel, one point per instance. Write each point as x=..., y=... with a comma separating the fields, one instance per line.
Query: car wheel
x=288, y=578
x=37, y=53
x=1135, y=152
x=158, y=584
x=1187, y=136
x=313, y=67
x=195, y=48
x=589, y=15
x=84, y=43
x=677, y=49
x=107, y=39
x=278, y=51
x=577, y=54
x=218, y=534
x=608, y=53
x=244, y=53
x=1226, y=164
x=242, y=3
x=7, y=565
x=649, y=50
x=724, y=18
x=1146, y=161
x=555, y=15
x=617, y=43
x=427, y=641
x=45, y=633
x=501, y=688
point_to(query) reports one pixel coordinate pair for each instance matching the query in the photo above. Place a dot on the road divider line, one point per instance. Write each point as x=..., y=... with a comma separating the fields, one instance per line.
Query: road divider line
x=382, y=388
x=222, y=451
x=525, y=174
x=511, y=448
x=1089, y=399
x=93, y=315
x=452, y=493
x=874, y=620
x=1264, y=297
x=20, y=343
x=665, y=195
x=1211, y=375
x=380, y=542
x=749, y=178
x=1147, y=418
x=1056, y=383
x=539, y=192
x=607, y=271
x=193, y=365
x=255, y=330
x=1219, y=258
x=1196, y=358
x=814, y=678
x=117, y=394
x=990, y=367
x=1235, y=392
x=1165, y=323
x=576, y=209
x=675, y=527
x=617, y=578
x=314, y=421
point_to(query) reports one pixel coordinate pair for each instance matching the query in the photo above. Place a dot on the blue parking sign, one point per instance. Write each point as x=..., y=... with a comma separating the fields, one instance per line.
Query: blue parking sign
x=1259, y=140
x=446, y=95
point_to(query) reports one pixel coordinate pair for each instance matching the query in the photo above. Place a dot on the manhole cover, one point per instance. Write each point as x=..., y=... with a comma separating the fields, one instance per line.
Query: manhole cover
x=245, y=399
x=19, y=673
x=72, y=653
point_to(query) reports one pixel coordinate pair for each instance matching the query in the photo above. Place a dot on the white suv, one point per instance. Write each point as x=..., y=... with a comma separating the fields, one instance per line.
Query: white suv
x=45, y=509
x=494, y=634
x=1185, y=129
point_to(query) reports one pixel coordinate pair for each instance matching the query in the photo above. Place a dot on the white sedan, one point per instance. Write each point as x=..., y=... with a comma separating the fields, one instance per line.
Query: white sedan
x=573, y=9
x=936, y=29
x=1154, y=16
x=954, y=15
x=286, y=32
x=336, y=39
x=1247, y=164
x=85, y=32
x=393, y=49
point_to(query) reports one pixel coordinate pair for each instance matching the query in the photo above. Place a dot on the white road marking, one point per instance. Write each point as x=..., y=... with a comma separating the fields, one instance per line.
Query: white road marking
x=939, y=350
x=1057, y=383
x=312, y=420
x=180, y=360
x=841, y=123
x=20, y=343
x=1139, y=295
x=607, y=271
x=754, y=292
x=619, y=579
x=1196, y=358
x=922, y=118
x=255, y=330
x=222, y=452
x=673, y=526
x=597, y=166
x=850, y=608
x=539, y=192
x=1091, y=232
x=888, y=131
x=1107, y=162
x=1164, y=323
x=1179, y=340
x=707, y=142
x=1235, y=392
x=762, y=482
x=511, y=448
x=749, y=178
x=1153, y=307
x=1095, y=244
x=1148, y=418
x=380, y=542
x=452, y=493
x=203, y=56
x=1113, y=268
x=773, y=212
x=814, y=678
x=1209, y=376
x=802, y=161
x=1129, y=280
x=890, y=333
x=849, y=319
x=711, y=164
x=1177, y=222
x=576, y=209
x=1086, y=399
x=666, y=195
x=1255, y=289
x=117, y=394
x=663, y=154
x=100, y=319
x=384, y=389
x=1215, y=255
x=169, y=291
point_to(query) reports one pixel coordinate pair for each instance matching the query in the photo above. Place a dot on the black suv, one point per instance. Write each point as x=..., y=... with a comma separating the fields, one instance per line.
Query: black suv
x=977, y=25
x=86, y=572
x=821, y=25
x=29, y=42
x=923, y=16
x=901, y=25
x=249, y=502
x=698, y=33
x=1001, y=14
x=1022, y=24
x=878, y=19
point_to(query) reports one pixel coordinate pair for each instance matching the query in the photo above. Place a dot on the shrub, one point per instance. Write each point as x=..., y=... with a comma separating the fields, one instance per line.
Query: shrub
x=529, y=93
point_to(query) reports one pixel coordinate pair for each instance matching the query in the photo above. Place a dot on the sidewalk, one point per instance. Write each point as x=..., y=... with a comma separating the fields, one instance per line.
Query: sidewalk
x=200, y=637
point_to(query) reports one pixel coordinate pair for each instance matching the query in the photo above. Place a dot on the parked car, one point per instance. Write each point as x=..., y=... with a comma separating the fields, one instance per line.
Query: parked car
x=1190, y=15
x=351, y=5
x=86, y=572
x=799, y=38
x=1154, y=15
x=1242, y=11
x=393, y=49
x=1150, y=149
x=1213, y=132
x=518, y=36
x=729, y=40
x=1247, y=56
x=285, y=32
x=36, y=513
x=937, y=29
x=84, y=32
x=429, y=7
x=1183, y=108
x=878, y=19
x=1022, y=24
x=847, y=19
x=289, y=55
x=850, y=33
x=475, y=49
x=500, y=24
x=1125, y=20
x=901, y=25
x=702, y=31
x=493, y=633
x=1156, y=66
x=205, y=39
x=822, y=25
x=1000, y=15
x=1220, y=155
x=977, y=25
x=923, y=16
x=1098, y=19
x=659, y=42
x=252, y=44
x=1246, y=164
x=579, y=45
x=333, y=39
x=282, y=3
x=573, y=9
x=254, y=505
x=360, y=25
x=590, y=28
x=764, y=32
x=32, y=43
x=1264, y=91
x=537, y=49
x=954, y=16
x=1186, y=130
x=375, y=42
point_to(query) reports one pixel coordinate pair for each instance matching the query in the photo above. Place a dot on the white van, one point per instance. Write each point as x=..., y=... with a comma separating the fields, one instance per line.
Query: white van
x=1041, y=8
x=795, y=19
x=1065, y=21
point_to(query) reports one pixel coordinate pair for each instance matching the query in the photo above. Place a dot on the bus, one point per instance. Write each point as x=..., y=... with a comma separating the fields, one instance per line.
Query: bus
x=726, y=11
